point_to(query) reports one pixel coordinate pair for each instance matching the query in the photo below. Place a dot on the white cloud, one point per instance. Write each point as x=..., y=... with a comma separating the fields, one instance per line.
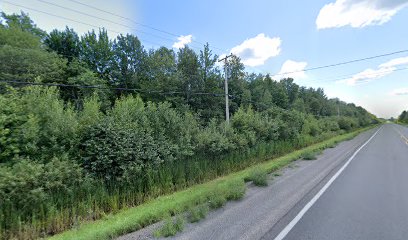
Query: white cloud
x=395, y=62
x=292, y=69
x=183, y=41
x=255, y=51
x=400, y=92
x=368, y=75
x=358, y=13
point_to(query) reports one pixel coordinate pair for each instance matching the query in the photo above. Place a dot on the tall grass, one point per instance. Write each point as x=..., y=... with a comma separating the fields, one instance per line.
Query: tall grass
x=92, y=199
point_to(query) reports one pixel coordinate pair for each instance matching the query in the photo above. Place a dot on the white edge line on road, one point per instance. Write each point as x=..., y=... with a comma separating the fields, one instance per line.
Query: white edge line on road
x=289, y=227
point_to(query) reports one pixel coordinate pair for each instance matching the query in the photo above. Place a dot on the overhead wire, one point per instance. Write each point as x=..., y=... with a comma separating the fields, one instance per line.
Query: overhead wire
x=72, y=20
x=138, y=23
x=361, y=77
x=342, y=63
x=90, y=6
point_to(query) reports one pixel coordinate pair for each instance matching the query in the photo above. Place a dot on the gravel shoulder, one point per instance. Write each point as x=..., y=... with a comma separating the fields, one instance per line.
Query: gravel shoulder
x=264, y=211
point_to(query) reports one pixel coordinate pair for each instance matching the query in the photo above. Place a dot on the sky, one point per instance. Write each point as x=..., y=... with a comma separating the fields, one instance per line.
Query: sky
x=274, y=37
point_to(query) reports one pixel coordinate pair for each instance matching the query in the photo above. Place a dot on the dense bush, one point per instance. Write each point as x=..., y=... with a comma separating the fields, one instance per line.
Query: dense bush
x=124, y=125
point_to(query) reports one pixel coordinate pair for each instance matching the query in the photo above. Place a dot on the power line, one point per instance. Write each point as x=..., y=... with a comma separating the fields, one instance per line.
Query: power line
x=70, y=19
x=141, y=24
x=342, y=63
x=111, y=88
x=362, y=77
x=107, y=20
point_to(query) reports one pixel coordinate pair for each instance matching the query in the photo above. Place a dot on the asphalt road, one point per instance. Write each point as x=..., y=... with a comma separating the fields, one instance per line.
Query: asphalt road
x=369, y=199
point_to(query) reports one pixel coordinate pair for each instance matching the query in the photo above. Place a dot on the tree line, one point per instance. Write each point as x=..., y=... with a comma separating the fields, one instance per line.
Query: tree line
x=403, y=117
x=153, y=125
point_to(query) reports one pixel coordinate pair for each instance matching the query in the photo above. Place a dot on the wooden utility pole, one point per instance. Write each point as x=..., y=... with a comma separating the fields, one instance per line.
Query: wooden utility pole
x=226, y=87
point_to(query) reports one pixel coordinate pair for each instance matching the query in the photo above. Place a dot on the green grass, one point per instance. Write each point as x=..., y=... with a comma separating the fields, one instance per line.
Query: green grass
x=259, y=177
x=312, y=155
x=197, y=213
x=216, y=200
x=170, y=227
x=155, y=210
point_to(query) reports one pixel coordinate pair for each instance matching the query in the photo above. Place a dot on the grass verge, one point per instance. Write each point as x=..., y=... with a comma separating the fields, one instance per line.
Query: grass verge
x=197, y=213
x=312, y=155
x=259, y=177
x=170, y=227
x=215, y=192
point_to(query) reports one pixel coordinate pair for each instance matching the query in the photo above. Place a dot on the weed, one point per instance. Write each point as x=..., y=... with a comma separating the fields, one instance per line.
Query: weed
x=259, y=177
x=236, y=190
x=216, y=200
x=198, y=212
x=170, y=227
x=310, y=155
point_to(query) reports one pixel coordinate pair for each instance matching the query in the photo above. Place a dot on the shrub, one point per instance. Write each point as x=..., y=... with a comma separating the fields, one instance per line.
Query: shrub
x=198, y=212
x=170, y=227
x=310, y=155
x=216, y=200
x=259, y=177
x=236, y=190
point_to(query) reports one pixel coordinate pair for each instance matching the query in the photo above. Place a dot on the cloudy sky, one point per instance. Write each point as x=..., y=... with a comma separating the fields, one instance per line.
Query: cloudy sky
x=277, y=37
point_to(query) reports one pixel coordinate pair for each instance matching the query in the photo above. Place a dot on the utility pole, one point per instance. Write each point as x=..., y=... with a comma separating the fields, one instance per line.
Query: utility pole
x=226, y=86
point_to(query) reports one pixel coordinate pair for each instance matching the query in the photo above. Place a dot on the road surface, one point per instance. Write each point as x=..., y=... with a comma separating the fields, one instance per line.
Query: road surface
x=367, y=198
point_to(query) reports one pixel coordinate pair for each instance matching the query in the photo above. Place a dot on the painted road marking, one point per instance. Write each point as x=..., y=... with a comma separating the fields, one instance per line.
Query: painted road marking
x=402, y=135
x=289, y=227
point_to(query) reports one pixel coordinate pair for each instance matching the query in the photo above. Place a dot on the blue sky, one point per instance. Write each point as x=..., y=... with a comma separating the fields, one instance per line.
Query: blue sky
x=270, y=36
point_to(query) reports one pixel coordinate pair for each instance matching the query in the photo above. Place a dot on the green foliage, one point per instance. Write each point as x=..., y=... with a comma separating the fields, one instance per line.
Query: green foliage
x=236, y=190
x=84, y=150
x=217, y=200
x=21, y=21
x=27, y=189
x=16, y=37
x=66, y=43
x=403, y=118
x=198, y=212
x=311, y=155
x=96, y=51
x=170, y=227
x=259, y=177
x=30, y=65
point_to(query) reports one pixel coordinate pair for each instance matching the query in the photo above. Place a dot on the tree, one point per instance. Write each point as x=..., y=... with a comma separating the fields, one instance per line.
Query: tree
x=292, y=89
x=16, y=37
x=30, y=65
x=23, y=22
x=210, y=106
x=161, y=75
x=129, y=65
x=65, y=43
x=188, y=66
x=237, y=85
x=96, y=51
